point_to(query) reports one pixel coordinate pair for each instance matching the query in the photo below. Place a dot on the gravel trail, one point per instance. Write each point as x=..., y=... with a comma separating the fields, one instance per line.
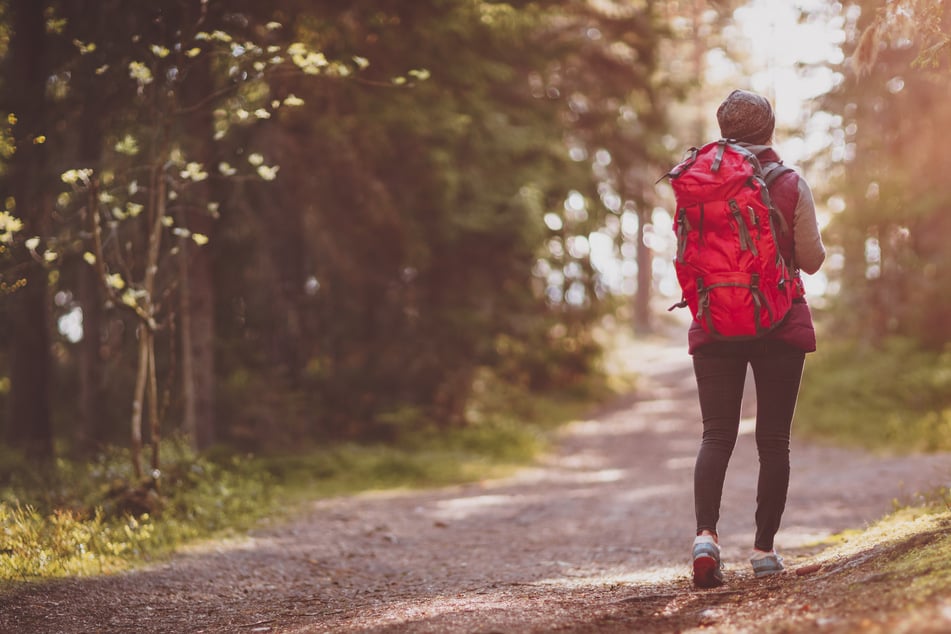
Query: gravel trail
x=594, y=538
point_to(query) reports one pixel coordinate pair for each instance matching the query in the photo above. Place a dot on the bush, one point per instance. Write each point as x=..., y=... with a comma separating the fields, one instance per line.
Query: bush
x=78, y=519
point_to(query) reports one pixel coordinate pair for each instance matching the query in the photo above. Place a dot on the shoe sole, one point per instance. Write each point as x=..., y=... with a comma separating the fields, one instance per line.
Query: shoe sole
x=768, y=573
x=706, y=572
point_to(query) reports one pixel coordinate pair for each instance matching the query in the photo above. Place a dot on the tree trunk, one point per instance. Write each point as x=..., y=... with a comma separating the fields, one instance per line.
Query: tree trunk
x=29, y=427
x=138, y=399
x=145, y=379
x=91, y=429
x=202, y=351
x=642, y=299
x=196, y=283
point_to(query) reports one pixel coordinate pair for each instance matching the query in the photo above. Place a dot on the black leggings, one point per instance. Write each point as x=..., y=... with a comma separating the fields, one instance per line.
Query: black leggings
x=720, y=369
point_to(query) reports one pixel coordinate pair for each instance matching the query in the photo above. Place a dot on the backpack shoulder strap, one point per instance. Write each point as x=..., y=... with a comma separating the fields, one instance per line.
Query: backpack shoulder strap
x=772, y=171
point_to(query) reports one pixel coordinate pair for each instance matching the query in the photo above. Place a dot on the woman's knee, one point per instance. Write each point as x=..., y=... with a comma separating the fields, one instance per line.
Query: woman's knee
x=774, y=450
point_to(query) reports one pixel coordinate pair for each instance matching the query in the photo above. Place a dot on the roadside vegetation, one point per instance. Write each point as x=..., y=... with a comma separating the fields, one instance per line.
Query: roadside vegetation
x=893, y=397
x=91, y=517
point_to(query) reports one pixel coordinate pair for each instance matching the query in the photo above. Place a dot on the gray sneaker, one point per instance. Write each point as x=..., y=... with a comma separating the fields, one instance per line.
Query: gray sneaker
x=770, y=564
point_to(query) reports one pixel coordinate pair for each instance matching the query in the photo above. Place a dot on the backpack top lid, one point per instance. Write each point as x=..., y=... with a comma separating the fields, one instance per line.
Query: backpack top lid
x=722, y=170
x=712, y=156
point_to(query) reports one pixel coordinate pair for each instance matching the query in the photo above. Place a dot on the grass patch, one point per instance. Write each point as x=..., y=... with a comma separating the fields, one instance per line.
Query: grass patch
x=81, y=519
x=907, y=524
x=893, y=397
x=894, y=573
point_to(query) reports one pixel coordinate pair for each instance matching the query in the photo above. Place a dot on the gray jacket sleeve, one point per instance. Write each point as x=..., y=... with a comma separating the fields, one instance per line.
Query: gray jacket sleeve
x=810, y=252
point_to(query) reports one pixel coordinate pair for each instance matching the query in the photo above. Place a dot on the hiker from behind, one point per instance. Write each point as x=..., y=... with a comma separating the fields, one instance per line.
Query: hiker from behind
x=746, y=227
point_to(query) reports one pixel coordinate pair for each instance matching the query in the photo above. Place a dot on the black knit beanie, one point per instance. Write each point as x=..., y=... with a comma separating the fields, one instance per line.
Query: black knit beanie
x=746, y=116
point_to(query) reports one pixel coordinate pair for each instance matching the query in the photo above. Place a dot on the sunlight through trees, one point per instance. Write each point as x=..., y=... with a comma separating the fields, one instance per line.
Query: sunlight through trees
x=280, y=224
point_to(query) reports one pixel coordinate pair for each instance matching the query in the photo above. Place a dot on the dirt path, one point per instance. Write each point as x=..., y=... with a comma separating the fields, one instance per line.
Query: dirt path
x=594, y=539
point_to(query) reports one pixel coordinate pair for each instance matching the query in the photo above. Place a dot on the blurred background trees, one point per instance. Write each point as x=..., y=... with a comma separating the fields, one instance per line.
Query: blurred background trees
x=362, y=211
x=891, y=196
x=297, y=223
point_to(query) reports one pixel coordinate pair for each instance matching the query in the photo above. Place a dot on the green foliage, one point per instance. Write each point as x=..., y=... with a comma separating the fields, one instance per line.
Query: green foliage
x=418, y=232
x=64, y=543
x=92, y=518
x=891, y=397
x=89, y=520
x=407, y=249
x=423, y=460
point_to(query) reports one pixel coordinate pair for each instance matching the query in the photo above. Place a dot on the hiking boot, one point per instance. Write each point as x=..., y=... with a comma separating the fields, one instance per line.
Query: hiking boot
x=765, y=564
x=707, y=571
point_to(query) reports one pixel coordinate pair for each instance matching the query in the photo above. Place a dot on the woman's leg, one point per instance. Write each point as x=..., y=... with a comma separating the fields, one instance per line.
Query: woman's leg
x=777, y=374
x=720, y=382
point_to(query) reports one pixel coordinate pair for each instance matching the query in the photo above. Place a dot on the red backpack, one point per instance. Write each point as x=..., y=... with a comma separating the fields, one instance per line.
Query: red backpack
x=728, y=263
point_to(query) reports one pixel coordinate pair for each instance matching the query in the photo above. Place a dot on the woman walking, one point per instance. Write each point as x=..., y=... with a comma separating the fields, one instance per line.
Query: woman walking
x=776, y=359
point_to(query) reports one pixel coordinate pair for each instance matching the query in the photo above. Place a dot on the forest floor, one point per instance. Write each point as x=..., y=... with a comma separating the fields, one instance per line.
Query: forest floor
x=595, y=538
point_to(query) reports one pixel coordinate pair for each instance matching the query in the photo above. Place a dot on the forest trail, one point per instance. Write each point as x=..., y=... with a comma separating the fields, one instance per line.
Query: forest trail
x=595, y=538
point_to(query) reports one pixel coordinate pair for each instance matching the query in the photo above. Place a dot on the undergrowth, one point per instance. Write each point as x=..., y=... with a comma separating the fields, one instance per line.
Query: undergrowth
x=891, y=397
